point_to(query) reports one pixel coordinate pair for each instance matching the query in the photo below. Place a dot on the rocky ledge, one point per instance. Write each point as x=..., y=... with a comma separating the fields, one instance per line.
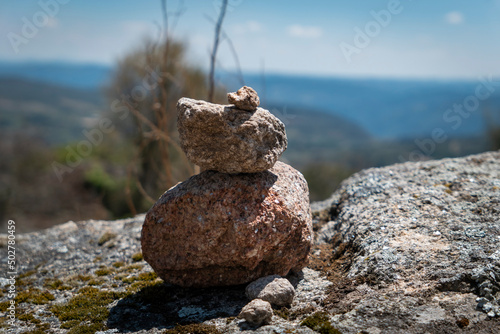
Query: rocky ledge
x=408, y=248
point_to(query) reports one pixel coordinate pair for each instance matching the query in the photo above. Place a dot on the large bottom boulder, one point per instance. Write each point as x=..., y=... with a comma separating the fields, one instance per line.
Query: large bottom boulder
x=219, y=229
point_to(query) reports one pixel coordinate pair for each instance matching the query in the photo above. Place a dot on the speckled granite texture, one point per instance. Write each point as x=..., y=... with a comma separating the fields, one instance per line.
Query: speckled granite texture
x=227, y=139
x=409, y=248
x=225, y=229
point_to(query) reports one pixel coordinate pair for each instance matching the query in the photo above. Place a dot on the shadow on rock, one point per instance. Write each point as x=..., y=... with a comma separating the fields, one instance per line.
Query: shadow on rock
x=164, y=306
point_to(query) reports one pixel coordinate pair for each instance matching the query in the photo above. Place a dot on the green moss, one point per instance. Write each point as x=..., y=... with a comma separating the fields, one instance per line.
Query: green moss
x=107, y=236
x=286, y=314
x=137, y=257
x=34, y=296
x=84, y=278
x=87, y=329
x=283, y=313
x=52, y=284
x=26, y=317
x=70, y=324
x=193, y=329
x=119, y=277
x=118, y=264
x=40, y=328
x=56, y=284
x=4, y=306
x=136, y=286
x=103, y=271
x=89, y=305
x=95, y=281
x=27, y=274
x=149, y=276
x=320, y=323
x=35, y=331
x=21, y=283
x=130, y=268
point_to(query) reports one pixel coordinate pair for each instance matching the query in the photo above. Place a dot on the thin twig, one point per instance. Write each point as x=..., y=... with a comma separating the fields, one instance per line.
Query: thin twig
x=233, y=51
x=128, y=193
x=213, y=56
x=165, y=17
x=144, y=193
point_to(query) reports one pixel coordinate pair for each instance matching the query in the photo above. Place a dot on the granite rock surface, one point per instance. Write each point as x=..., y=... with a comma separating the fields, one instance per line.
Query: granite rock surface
x=228, y=139
x=221, y=229
x=422, y=246
x=409, y=248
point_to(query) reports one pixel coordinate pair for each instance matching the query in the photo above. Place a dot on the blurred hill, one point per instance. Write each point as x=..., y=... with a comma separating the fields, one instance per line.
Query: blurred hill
x=57, y=113
x=89, y=76
x=386, y=108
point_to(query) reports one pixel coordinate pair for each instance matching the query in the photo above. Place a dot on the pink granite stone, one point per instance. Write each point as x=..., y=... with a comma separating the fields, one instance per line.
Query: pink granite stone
x=219, y=229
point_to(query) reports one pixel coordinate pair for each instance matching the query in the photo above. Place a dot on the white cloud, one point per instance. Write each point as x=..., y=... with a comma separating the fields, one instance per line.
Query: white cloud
x=454, y=18
x=297, y=30
x=249, y=26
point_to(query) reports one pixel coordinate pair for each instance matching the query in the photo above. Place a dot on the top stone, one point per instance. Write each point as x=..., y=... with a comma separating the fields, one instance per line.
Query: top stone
x=245, y=98
x=227, y=139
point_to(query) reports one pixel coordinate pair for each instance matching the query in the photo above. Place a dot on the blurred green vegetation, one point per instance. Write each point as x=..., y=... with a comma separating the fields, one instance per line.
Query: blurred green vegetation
x=324, y=178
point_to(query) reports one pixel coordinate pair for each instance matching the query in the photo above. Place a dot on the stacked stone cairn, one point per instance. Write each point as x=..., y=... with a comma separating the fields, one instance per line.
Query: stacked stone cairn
x=245, y=216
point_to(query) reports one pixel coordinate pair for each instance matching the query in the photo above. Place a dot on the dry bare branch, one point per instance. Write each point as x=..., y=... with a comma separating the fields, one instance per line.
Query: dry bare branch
x=213, y=56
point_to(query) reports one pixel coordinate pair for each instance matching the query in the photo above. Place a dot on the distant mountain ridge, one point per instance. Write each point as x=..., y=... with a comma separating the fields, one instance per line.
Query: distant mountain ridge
x=57, y=114
x=60, y=113
x=386, y=108
x=86, y=76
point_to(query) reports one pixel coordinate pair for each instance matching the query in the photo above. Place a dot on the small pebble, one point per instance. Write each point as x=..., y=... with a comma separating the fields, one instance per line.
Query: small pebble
x=257, y=312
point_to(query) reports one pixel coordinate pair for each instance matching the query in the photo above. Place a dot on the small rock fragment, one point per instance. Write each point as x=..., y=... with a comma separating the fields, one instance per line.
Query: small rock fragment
x=274, y=289
x=245, y=98
x=257, y=312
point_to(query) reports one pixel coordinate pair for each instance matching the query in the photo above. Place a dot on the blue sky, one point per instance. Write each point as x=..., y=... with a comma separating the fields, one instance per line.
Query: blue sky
x=417, y=39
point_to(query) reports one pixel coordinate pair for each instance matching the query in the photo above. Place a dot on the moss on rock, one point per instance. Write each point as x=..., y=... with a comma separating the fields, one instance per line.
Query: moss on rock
x=320, y=323
x=137, y=257
x=89, y=305
x=193, y=329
